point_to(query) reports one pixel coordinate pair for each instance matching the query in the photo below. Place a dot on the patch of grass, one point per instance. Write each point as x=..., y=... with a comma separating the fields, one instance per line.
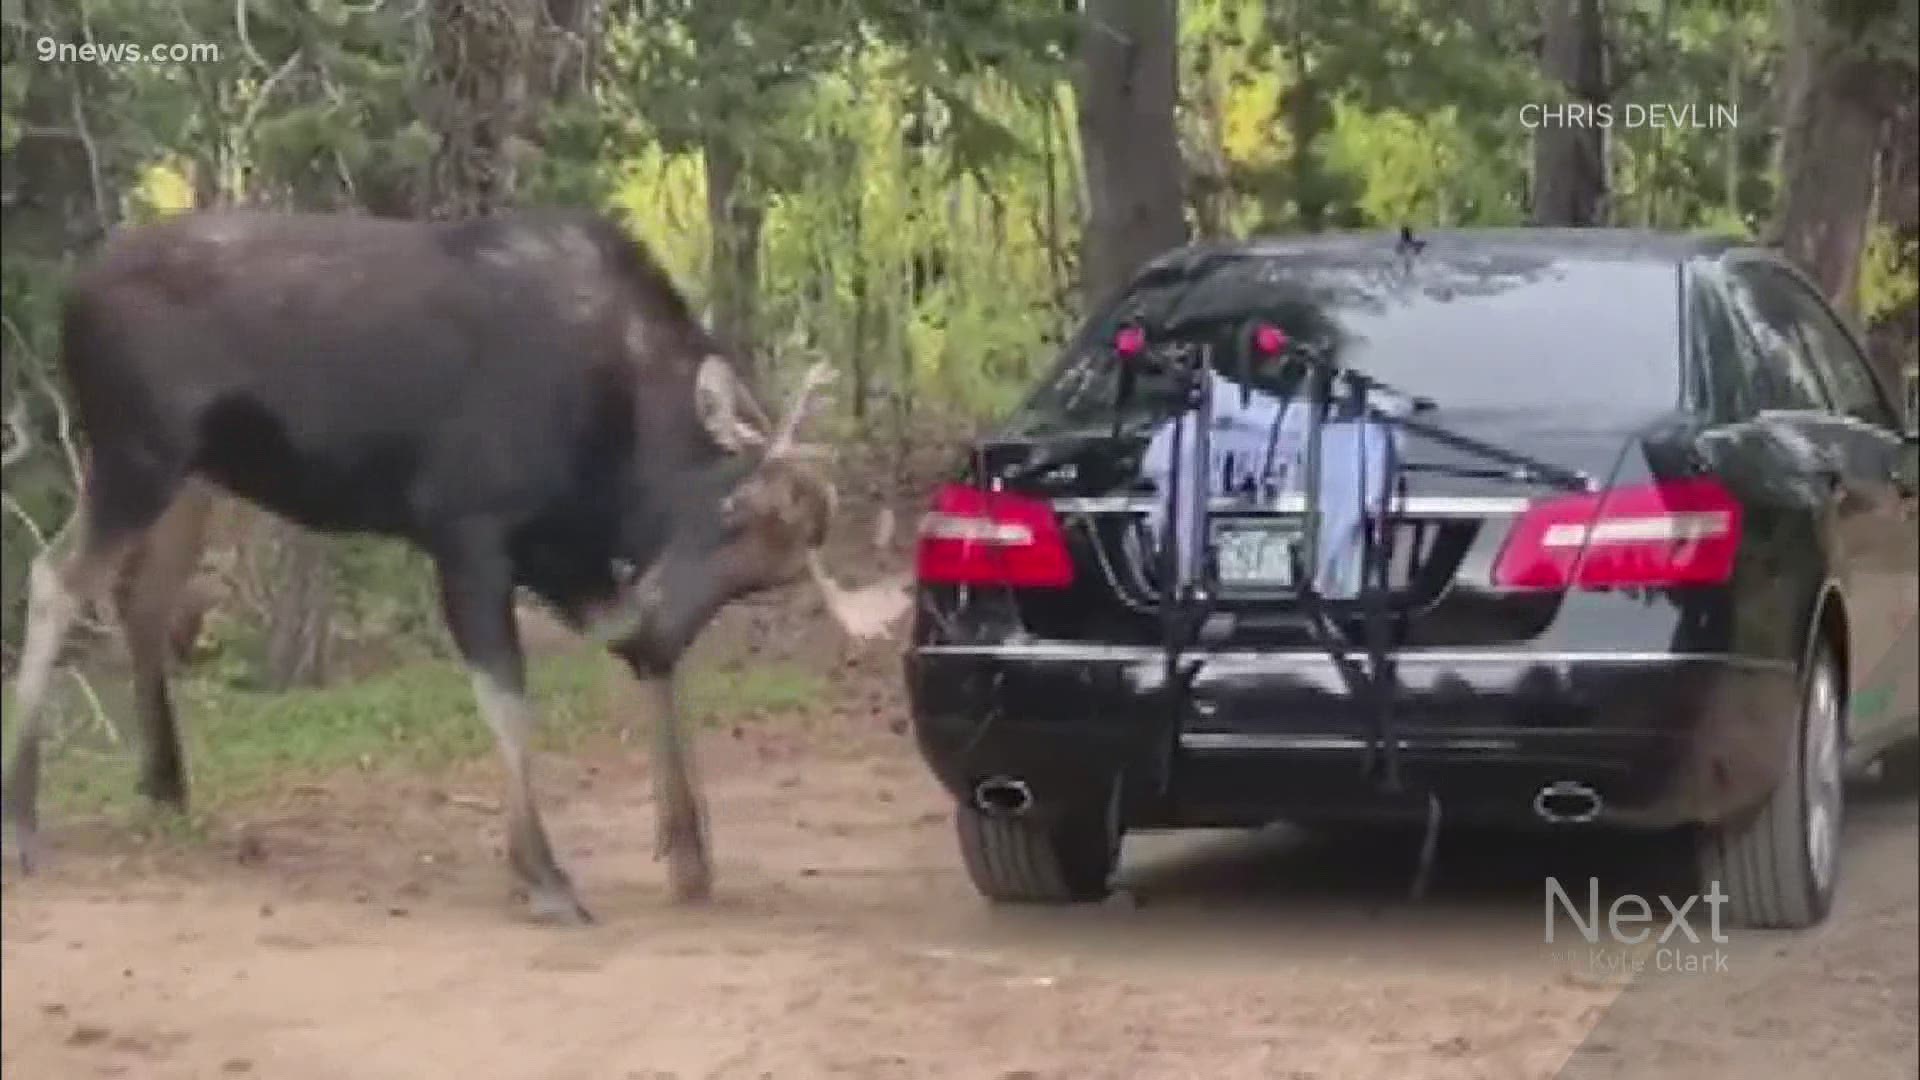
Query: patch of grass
x=420, y=717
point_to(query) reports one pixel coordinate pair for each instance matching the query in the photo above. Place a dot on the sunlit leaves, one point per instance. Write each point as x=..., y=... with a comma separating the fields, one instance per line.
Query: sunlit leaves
x=163, y=188
x=1423, y=171
x=1887, y=279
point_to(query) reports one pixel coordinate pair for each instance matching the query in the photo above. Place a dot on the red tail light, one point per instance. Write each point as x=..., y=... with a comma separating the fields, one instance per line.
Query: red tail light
x=1682, y=532
x=974, y=537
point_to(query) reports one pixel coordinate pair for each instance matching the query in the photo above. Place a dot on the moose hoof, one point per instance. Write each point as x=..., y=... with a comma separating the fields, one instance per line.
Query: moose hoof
x=557, y=906
x=27, y=851
x=689, y=877
x=22, y=832
x=683, y=843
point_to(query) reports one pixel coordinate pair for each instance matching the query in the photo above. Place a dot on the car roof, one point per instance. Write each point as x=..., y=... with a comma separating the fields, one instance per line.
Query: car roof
x=1641, y=245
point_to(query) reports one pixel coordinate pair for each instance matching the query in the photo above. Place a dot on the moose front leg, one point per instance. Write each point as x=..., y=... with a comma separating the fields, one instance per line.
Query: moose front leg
x=680, y=823
x=477, y=590
x=673, y=602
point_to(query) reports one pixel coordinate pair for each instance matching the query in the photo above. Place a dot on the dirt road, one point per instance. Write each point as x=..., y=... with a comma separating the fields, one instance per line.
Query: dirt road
x=359, y=929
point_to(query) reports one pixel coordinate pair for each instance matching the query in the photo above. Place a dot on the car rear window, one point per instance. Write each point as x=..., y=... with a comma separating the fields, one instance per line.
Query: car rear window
x=1470, y=331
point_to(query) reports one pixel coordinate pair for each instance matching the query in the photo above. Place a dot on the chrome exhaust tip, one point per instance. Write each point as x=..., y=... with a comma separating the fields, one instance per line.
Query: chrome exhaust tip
x=1566, y=802
x=1003, y=796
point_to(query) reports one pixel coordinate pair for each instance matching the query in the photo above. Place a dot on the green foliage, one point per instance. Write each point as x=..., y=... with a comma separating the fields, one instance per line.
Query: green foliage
x=298, y=103
x=737, y=73
x=1679, y=177
x=161, y=188
x=1889, y=275
x=1721, y=221
x=662, y=196
x=915, y=167
x=1409, y=115
x=842, y=240
x=39, y=491
x=389, y=594
x=1422, y=170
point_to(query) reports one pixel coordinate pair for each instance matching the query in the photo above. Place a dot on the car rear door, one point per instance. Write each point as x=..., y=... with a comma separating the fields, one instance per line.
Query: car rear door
x=1855, y=428
x=1890, y=554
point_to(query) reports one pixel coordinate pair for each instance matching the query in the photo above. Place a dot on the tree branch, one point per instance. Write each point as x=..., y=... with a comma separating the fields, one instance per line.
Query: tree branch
x=64, y=426
x=252, y=115
x=246, y=41
x=87, y=623
x=12, y=506
x=98, y=713
x=102, y=219
x=22, y=437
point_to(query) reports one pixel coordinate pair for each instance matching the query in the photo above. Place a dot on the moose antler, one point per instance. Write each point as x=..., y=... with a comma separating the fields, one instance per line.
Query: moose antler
x=863, y=612
x=818, y=375
x=720, y=400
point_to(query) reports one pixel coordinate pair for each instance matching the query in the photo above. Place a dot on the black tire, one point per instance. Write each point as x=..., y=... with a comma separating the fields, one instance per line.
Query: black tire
x=1764, y=862
x=1065, y=859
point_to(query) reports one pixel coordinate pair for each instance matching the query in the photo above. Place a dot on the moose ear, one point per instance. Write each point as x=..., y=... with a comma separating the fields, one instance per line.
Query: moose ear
x=719, y=399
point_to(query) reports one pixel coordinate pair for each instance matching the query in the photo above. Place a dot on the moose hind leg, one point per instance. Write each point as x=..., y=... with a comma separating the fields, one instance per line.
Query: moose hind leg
x=478, y=594
x=58, y=585
x=162, y=565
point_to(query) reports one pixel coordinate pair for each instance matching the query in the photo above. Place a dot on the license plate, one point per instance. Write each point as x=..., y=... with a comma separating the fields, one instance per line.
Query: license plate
x=1256, y=555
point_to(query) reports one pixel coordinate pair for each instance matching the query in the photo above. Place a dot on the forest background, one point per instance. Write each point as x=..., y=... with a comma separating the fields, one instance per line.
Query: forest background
x=928, y=195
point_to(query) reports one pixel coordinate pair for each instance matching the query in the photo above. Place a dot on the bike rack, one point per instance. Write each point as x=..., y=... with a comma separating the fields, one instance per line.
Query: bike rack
x=1190, y=590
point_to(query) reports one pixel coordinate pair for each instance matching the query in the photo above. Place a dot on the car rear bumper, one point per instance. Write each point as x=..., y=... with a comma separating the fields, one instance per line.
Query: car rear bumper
x=1662, y=738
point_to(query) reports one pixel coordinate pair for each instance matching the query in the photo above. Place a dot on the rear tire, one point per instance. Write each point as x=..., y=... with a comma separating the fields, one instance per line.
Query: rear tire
x=1040, y=859
x=1900, y=767
x=1779, y=865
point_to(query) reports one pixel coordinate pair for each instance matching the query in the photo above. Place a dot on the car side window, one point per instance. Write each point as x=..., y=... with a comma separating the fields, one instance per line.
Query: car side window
x=1784, y=376
x=1722, y=361
x=1851, y=383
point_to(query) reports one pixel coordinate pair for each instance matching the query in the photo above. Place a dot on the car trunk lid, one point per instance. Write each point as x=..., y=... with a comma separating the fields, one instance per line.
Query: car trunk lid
x=1453, y=515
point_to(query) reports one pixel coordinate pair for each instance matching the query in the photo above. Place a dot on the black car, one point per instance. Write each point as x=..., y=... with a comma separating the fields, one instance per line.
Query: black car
x=1704, y=642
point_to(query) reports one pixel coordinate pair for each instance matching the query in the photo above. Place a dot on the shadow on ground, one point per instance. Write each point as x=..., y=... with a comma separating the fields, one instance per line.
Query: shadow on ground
x=1274, y=900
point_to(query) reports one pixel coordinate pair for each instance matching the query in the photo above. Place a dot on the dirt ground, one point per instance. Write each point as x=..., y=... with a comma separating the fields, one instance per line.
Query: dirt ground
x=359, y=929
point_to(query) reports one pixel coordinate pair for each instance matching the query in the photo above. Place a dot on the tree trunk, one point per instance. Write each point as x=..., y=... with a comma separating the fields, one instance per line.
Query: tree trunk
x=734, y=217
x=1308, y=117
x=1050, y=221
x=1075, y=167
x=300, y=609
x=857, y=360
x=484, y=57
x=1834, y=114
x=1206, y=173
x=1569, y=158
x=1735, y=51
x=1895, y=337
x=59, y=193
x=1127, y=137
x=573, y=27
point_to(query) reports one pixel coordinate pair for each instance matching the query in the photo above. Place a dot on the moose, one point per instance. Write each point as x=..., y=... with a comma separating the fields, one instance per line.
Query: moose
x=526, y=398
